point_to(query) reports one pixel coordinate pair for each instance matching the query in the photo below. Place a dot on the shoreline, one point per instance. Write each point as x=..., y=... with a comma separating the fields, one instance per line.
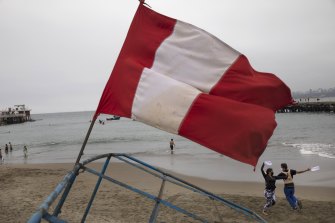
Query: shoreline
x=315, y=193
x=208, y=166
x=25, y=186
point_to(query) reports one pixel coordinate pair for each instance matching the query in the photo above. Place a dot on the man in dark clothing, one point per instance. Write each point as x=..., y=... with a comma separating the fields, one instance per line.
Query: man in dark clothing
x=6, y=148
x=172, y=145
x=270, y=187
x=289, y=186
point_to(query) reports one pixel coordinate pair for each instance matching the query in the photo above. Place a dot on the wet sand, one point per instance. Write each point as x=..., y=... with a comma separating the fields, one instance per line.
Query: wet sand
x=24, y=187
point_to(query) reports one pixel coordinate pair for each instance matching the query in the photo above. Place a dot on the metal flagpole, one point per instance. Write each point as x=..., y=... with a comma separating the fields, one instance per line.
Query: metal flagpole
x=86, y=139
x=75, y=170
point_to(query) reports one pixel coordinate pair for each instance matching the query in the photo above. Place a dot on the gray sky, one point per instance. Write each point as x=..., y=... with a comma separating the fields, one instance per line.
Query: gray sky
x=57, y=55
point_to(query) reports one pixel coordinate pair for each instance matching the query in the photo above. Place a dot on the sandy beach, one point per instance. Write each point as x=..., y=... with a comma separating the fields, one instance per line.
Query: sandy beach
x=24, y=186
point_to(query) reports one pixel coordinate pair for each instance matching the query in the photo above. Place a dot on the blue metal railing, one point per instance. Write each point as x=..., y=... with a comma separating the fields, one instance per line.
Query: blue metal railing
x=42, y=211
x=66, y=183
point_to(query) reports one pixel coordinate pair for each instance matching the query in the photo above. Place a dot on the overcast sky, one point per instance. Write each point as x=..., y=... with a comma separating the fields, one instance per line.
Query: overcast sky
x=57, y=55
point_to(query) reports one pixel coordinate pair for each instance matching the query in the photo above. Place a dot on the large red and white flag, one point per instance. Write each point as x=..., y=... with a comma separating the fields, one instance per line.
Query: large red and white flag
x=183, y=80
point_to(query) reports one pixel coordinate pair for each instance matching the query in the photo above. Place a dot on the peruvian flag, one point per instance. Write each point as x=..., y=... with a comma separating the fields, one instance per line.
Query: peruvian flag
x=179, y=78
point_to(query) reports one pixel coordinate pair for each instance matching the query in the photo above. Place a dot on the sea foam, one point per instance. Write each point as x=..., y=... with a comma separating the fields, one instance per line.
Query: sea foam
x=320, y=149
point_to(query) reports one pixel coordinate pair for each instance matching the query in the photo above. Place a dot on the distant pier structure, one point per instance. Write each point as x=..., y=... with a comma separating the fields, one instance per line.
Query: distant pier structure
x=309, y=107
x=16, y=114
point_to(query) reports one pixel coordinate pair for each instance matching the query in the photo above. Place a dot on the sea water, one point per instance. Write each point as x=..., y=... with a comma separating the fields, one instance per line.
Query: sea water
x=301, y=140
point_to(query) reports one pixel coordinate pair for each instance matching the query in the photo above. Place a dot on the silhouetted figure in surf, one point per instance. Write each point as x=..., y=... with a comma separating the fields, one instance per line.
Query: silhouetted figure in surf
x=25, y=151
x=1, y=159
x=172, y=145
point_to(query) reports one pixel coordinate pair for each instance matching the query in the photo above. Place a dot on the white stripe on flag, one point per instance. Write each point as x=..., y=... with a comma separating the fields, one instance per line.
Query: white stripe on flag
x=193, y=56
x=161, y=101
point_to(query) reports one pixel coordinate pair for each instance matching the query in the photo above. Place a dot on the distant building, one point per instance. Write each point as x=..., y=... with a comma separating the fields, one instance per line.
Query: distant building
x=16, y=114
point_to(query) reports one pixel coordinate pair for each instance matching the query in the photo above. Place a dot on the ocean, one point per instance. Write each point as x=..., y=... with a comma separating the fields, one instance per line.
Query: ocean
x=301, y=140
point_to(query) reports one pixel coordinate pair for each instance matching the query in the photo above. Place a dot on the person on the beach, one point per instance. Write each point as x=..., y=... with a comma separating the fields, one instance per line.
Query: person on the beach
x=25, y=151
x=10, y=147
x=270, y=187
x=0, y=156
x=172, y=145
x=289, y=186
x=6, y=148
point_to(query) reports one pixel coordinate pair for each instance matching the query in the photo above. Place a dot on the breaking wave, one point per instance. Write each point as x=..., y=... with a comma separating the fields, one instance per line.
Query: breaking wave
x=320, y=149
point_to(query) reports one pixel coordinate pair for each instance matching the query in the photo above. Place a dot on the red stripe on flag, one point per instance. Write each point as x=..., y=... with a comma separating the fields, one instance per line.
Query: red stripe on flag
x=238, y=130
x=147, y=31
x=242, y=83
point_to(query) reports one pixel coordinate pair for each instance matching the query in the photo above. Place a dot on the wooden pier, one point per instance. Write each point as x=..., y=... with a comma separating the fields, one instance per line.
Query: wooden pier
x=328, y=107
x=18, y=114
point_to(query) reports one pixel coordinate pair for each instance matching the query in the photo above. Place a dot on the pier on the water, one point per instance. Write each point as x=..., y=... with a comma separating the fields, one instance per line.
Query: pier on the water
x=18, y=114
x=309, y=107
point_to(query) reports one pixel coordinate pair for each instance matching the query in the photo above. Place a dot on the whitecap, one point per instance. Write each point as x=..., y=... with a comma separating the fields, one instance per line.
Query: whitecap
x=306, y=152
x=320, y=149
x=326, y=155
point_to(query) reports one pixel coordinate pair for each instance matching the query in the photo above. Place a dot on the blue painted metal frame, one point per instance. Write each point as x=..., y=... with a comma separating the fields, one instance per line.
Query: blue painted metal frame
x=42, y=212
x=95, y=189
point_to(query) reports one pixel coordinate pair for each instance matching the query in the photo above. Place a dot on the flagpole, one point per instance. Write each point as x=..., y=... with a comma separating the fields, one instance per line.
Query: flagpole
x=86, y=139
x=75, y=169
